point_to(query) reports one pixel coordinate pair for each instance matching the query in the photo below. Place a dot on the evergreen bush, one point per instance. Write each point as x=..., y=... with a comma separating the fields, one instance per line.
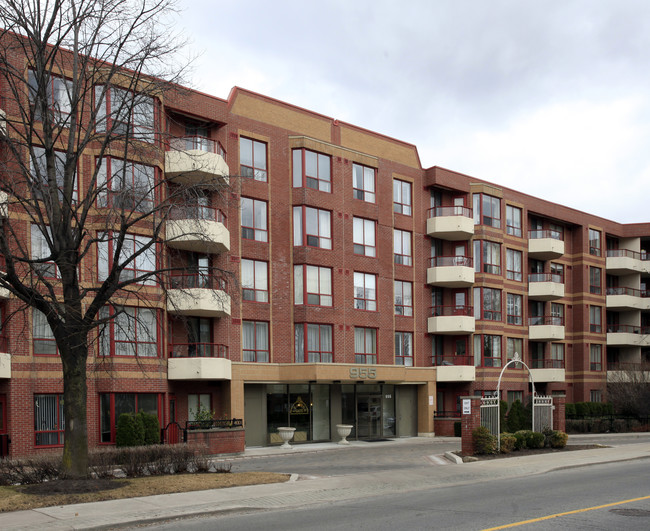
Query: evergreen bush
x=484, y=442
x=508, y=441
x=516, y=420
x=130, y=430
x=569, y=410
x=151, y=427
x=534, y=439
x=559, y=439
x=521, y=439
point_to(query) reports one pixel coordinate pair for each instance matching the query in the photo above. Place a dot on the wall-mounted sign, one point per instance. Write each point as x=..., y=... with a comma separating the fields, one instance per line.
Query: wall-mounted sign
x=363, y=373
x=467, y=406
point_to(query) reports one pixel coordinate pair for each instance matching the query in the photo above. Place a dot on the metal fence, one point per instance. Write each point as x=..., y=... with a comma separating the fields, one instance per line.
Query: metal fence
x=490, y=414
x=542, y=413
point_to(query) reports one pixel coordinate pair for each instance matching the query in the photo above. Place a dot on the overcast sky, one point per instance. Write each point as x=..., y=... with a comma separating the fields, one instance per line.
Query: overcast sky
x=549, y=97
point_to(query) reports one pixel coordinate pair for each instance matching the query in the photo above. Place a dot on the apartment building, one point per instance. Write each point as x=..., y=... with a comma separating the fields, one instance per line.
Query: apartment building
x=336, y=281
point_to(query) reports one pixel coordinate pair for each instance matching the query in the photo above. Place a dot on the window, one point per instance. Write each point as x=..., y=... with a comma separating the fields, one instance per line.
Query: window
x=513, y=220
x=254, y=280
x=595, y=322
x=363, y=183
x=515, y=345
x=122, y=112
x=312, y=227
x=253, y=220
x=594, y=242
x=125, y=185
x=255, y=341
x=487, y=304
x=404, y=349
x=513, y=265
x=487, y=257
x=364, y=237
x=403, y=292
x=196, y=403
x=365, y=345
x=49, y=420
x=39, y=176
x=131, y=332
x=313, y=343
x=402, y=247
x=42, y=335
x=557, y=272
x=596, y=358
x=557, y=356
x=513, y=396
x=595, y=283
x=365, y=291
x=58, y=92
x=312, y=285
x=557, y=314
x=402, y=197
x=514, y=309
x=112, y=405
x=137, y=258
x=312, y=170
x=487, y=210
x=595, y=395
x=252, y=159
x=488, y=349
x=41, y=251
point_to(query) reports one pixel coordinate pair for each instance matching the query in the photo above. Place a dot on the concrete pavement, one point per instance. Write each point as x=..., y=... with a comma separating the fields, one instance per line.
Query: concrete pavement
x=301, y=491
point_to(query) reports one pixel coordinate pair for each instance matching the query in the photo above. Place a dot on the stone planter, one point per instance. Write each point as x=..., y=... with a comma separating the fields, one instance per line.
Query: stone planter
x=286, y=434
x=343, y=431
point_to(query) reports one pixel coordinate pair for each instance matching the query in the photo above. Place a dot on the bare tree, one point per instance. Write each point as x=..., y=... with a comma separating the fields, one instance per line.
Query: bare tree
x=628, y=389
x=83, y=82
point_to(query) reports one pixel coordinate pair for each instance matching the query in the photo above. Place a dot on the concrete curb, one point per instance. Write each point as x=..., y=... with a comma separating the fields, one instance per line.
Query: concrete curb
x=454, y=458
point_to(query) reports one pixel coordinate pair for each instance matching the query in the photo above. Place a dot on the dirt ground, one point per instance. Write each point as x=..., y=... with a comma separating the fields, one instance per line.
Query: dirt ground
x=528, y=451
x=65, y=492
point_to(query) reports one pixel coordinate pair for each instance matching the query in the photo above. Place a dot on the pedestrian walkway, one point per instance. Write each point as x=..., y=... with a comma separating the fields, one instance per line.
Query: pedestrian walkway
x=301, y=492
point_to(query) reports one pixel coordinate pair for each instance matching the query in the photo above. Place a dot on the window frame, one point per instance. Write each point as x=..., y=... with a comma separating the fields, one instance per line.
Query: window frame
x=403, y=302
x=595, y=285
x=259, y=227
x=310, y=355
x=485, y=249
x=46, y=336
x=364, y=237
x=484, y=341
x=258, y=354
x=484, y=204
x=59, y=113
x=513, y=226
x=107, y=433
x=404, y=349
x=303, y=231
x=595, y=242
x=302, y=282
x=368, y=190
x=255, y=170
x=512, y=273
x=490, y=307
x=368, y=355
x=136, y=264
x=131, y=330
x=57, y=429
x=260, y=280
x=595, y=362
x=38, y=173
x=511, y=348
x=512, y=317
x=401, y=255
x=595, y=319
x=402, y=205
x=106, y=194
x=365, y=291
x=107, y=122
x=300, y=179
x=48, y=269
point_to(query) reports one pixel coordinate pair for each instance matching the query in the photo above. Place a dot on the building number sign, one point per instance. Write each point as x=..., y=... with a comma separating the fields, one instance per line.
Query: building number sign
x=363, y=373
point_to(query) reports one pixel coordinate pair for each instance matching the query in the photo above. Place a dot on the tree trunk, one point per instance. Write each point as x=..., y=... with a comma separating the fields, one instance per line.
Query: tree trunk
x=75, y=449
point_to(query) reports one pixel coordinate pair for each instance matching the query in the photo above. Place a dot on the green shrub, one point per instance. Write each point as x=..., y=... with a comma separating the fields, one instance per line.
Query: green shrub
x=503, y=413
x=484, y=442
x=548, y=433
x=534, y=439
x=582, y=409
x=569, y=410
x=508, y=441
x=521, y=439
x=559, y=439
x=458, y=432
x=516, y=420
x=151, y=427
x=130, y=430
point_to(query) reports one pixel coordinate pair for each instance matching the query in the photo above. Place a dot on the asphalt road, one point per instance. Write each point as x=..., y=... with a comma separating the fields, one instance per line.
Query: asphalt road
x=576, y=498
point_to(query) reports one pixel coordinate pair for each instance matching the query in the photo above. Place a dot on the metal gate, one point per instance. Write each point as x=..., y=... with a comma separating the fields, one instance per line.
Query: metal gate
x=490, y=414
x=173, y=434
x=542, y=413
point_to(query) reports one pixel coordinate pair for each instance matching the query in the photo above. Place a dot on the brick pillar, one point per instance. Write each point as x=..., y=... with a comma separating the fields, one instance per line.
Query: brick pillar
x=469, y=422
x=559, y=419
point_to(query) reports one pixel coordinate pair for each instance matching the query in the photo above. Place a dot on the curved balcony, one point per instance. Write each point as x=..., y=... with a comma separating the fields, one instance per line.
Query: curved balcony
x=627, y=336
x=197, y=228
x=196, y=160
x=452, y=223
x=545, y=371
x=545, y=286
x=451, y=271
x=546, y=328
x=198, y=361
x=545, y=244
x=625, y=262
x=627, y=299
x=622, y=372
x=454, y=368
x=200, y=294
x=451, y=320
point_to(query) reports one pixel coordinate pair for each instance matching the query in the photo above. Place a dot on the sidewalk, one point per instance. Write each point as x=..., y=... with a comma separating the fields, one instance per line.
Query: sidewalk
x=300, y=492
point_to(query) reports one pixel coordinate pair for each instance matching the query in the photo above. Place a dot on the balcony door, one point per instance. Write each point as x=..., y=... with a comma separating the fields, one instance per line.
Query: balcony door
x=460, y=302
x=199, y=337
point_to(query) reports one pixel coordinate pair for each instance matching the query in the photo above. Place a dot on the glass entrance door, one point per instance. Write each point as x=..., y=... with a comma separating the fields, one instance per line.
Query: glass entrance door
x=369, y=416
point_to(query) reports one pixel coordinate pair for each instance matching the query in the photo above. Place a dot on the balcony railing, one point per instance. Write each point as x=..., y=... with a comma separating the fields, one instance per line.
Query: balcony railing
x=198, y=350
x=451, y=311
x=545, y=277
x=206, y=279
x=627, y=329
x=197, y=212
x=539, y=234
x=552, y=320
x=213, y=423
x=547, y=364
x=449, y=414
x=627, y=366
x=448, y=360
x=440, y=211
x=628, y=291
x=198, y=143
x=451, y=261
x=626, y=253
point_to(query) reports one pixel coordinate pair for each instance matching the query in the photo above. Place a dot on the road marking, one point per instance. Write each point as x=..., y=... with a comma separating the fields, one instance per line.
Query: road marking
x=524, y=522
